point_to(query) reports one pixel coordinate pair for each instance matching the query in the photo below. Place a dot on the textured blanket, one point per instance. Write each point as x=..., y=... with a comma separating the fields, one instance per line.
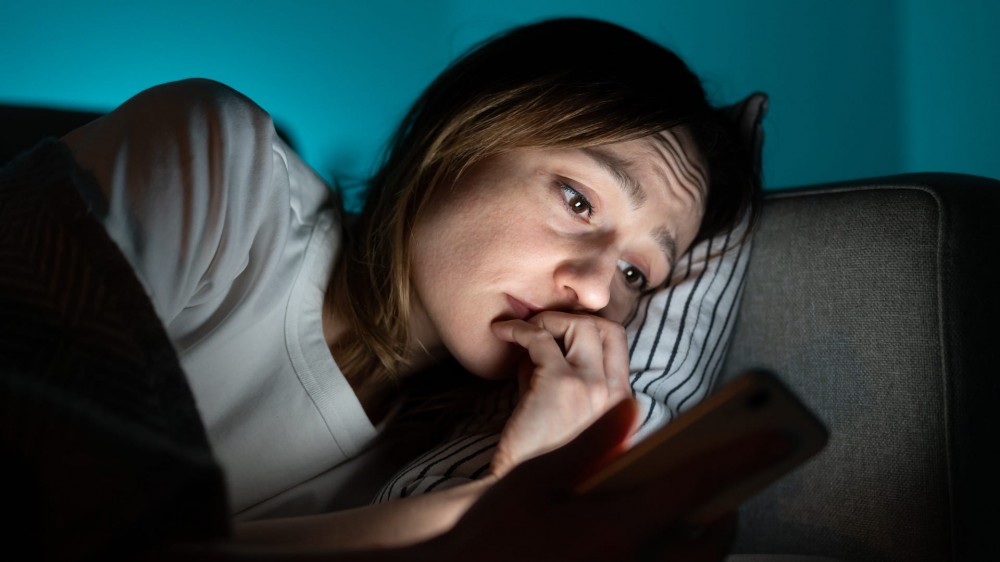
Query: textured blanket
x=102, y=450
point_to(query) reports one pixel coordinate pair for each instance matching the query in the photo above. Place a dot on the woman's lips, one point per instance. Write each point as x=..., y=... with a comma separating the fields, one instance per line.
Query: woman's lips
x=520, y=309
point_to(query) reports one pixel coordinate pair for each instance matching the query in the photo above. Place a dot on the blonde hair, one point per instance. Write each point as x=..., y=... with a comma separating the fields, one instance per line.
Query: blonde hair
x=558, y=83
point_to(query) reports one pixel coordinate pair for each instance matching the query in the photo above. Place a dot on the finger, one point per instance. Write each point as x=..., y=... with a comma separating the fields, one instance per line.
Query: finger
x=592, y=341
x=583, y=338
x=594, y=347
x=539, y=343
x=616, y=361
x=583, y=343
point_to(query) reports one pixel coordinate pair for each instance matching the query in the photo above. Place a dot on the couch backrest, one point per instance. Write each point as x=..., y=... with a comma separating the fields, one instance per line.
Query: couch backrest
x=877, y=302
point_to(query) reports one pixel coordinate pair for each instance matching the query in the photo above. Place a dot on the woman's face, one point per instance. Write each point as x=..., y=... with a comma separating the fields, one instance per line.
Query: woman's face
x=577, y=230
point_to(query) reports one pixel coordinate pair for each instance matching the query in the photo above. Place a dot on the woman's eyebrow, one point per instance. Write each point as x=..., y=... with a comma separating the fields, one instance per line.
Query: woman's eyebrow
x=618, y=169
x=668, y=244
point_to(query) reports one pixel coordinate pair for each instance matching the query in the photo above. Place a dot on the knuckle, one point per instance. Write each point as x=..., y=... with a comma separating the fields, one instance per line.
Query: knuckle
x=589, y=323
x=540, y=337
x=615, y=330
x=551, y=314
x=610, y=326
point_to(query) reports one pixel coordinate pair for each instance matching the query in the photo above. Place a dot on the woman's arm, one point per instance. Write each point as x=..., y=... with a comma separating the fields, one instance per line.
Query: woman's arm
x=529, y=514
x=575, y=368
x=401, y=522
x=188, y=175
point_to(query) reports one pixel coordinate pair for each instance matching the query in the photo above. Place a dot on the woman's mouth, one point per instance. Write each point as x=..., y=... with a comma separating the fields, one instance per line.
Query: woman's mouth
x=519, y=308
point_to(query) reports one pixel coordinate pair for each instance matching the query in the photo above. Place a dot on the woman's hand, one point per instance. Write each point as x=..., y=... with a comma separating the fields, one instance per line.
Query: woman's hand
x=575, y=368
x=531, y=514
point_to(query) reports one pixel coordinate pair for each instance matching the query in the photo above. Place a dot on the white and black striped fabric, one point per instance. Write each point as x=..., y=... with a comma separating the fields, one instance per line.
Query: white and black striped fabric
x=679, y=339
x=677, y=343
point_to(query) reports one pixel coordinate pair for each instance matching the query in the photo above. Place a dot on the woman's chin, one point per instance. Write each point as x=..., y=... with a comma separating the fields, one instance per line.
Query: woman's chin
x=494, y=364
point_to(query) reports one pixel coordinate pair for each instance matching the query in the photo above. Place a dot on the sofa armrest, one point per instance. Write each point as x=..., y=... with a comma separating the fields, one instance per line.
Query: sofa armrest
x=876, y=300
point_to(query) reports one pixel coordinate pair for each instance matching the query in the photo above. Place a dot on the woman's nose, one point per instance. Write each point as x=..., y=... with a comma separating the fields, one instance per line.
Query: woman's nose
x=588, y=282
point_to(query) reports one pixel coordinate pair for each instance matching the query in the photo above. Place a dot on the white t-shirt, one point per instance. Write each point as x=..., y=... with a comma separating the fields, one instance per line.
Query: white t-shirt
x=233, y=237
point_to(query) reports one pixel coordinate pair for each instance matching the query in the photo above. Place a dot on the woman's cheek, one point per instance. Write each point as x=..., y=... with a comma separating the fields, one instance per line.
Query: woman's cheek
x=491, y=358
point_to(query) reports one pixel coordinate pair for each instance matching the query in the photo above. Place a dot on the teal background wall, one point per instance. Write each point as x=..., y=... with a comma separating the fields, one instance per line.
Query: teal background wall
x=858, y=88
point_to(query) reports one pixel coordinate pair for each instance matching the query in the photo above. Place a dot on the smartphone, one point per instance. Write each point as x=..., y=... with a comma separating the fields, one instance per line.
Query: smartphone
x=751, y=403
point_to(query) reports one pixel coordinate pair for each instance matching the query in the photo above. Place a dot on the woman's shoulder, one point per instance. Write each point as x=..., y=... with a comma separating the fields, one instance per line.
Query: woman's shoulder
x=202, y=92
x=201, y=104
x=201, y=88
x=191, y=170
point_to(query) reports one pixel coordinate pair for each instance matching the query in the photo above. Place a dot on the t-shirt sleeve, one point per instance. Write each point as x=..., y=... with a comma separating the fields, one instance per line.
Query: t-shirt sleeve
x=186, y=172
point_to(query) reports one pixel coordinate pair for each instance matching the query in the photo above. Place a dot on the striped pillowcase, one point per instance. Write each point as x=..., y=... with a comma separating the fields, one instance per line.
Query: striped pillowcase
x=677, y=342
x=680, y=336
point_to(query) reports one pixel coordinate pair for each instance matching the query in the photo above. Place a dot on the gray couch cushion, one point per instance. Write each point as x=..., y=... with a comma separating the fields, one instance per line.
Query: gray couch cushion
x=877, y=305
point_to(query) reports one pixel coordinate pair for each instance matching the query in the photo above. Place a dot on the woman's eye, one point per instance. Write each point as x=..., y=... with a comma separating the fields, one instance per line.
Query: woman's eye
x=634, y=277
x=576, y=201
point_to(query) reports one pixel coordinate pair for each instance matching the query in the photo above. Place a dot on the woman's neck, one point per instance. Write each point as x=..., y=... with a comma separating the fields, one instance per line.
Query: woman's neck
x=376, y=392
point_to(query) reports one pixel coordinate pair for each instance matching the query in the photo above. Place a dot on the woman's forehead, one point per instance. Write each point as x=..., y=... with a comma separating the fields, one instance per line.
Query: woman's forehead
x=681, y=155
x=667, y=158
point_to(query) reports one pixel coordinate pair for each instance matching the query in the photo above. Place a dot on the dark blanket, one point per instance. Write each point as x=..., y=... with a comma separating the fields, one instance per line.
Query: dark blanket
x=103, y=452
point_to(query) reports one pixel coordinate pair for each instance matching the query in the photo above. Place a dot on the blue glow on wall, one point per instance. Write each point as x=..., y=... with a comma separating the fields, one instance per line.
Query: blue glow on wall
x=857, y=88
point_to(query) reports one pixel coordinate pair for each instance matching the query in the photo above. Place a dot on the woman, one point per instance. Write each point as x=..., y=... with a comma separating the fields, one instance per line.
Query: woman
x=537, y=188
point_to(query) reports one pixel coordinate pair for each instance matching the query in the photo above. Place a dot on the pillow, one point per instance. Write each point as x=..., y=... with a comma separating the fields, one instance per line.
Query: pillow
x=677, y=342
